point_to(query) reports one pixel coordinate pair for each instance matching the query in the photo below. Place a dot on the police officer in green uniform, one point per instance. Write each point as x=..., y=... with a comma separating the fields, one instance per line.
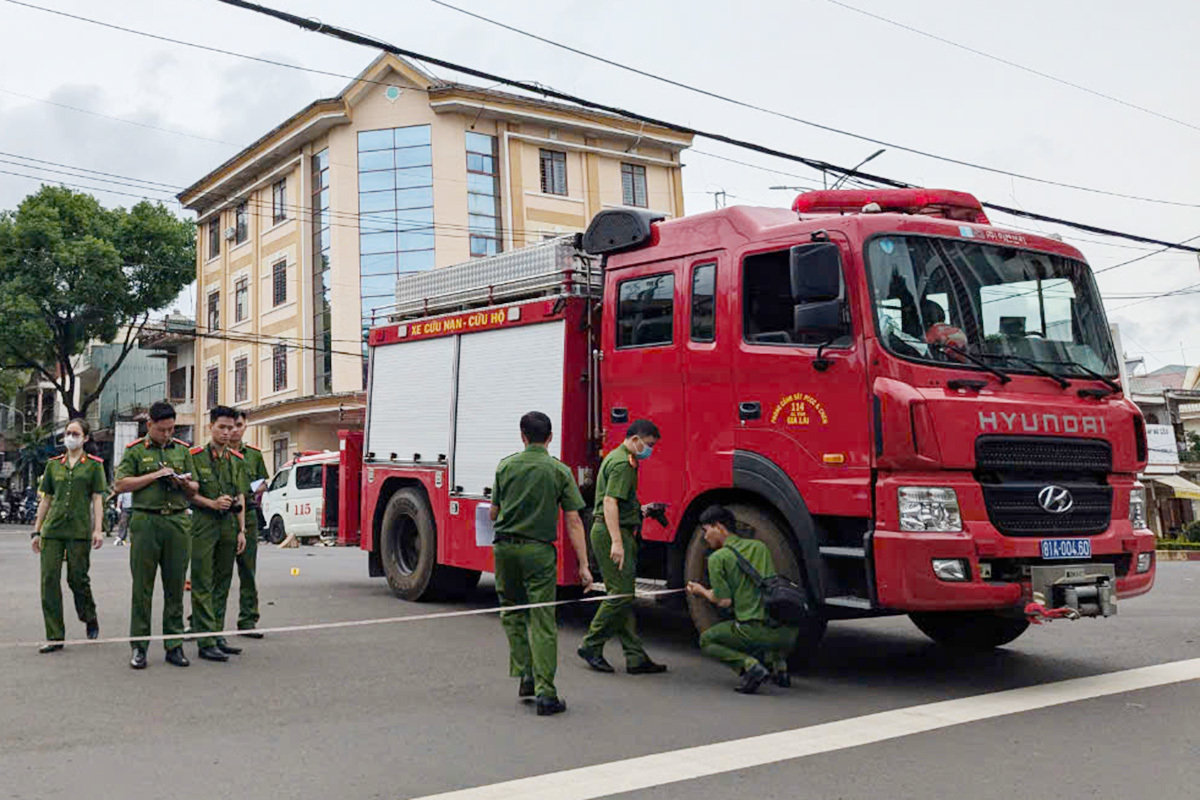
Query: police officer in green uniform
x=69, y=525
x=615, y=530
x=218, y=531
x=751, y=644
x=247, y=560
x=530, y=488
x=158, y=470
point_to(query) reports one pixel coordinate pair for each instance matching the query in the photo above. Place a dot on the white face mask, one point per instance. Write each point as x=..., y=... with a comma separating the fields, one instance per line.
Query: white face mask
x=73, y=441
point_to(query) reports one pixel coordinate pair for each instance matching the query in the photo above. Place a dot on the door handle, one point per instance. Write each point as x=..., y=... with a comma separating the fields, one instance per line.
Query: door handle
x=619, y=415
x=751, y=410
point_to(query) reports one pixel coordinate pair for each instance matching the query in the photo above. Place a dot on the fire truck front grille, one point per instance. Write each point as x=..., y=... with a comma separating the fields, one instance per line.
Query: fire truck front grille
x=1015, y=511
x=1042, y=454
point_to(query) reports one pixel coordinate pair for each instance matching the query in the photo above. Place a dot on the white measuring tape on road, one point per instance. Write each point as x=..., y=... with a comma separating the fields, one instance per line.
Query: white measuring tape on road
x=354, y=623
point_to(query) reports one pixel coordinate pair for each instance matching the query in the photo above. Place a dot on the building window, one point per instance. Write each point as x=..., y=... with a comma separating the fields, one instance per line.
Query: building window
x=633, y=185
x=241, y=299
x=279, y=455
x=279, y=283
x=646, y=310
x=395, y=209
x=214, y=237
x=483, y=195
x=279, y=366
x=177, y=385
x=554, y=172
x=241, y=374
x=322, y=281
x=241, y=223
x=704, y=300
x=213, y=387
x=279, y=201
x=214, y=311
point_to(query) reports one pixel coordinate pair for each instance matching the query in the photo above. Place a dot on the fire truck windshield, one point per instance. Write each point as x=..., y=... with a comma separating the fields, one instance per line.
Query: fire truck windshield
x=933, y=296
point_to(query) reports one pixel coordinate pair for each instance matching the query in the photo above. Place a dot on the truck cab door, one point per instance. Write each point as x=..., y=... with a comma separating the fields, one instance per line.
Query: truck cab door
x=643, y=337
x=810, y=416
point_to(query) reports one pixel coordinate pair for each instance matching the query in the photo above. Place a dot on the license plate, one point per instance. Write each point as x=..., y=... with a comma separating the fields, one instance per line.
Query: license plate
x=1066, y=548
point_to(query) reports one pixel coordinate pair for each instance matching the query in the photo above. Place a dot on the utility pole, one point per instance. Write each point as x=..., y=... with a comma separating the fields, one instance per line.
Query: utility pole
x=718, y=199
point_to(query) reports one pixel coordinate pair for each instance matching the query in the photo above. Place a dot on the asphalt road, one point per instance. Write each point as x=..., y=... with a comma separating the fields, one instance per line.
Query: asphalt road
x=412, y=709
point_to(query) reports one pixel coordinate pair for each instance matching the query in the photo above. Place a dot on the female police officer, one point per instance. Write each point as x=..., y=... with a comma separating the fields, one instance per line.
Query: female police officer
x=69, y=522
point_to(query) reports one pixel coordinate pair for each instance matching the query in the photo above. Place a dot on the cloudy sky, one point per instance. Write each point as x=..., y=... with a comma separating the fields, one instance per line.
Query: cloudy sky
x=63, y=81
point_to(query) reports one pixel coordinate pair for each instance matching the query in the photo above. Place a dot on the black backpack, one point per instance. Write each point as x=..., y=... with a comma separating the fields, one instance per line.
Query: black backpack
x=785, y=600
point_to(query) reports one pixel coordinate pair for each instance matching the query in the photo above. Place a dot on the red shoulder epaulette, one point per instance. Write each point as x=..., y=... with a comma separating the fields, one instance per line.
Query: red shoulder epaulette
x=251, y=447
x=182, y=442
x=61, y=459
x=95, y=458
x=237, y=454
x=198, y=449
x=131, y=444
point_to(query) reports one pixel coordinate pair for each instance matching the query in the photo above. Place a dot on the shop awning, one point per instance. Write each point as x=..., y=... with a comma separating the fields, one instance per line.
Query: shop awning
x=1182, y=487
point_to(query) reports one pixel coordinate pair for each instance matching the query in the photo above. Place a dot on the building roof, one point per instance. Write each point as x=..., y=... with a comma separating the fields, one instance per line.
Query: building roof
x=278, y=144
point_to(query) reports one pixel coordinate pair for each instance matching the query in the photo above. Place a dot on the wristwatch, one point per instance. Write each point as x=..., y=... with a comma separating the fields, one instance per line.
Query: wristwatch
x=35, y=534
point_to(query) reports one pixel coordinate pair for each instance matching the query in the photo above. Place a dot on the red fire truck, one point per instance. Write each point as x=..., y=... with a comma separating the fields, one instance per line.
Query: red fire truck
x=915, y=410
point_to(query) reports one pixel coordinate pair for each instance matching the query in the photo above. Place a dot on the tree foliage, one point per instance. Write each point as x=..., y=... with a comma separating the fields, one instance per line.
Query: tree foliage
x=74, y=272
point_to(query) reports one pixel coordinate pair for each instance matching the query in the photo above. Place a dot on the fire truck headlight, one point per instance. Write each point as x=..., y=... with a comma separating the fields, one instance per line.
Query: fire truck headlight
x=929, y=508
x=1137, y=508
x=1144, y=561
x=951, y=569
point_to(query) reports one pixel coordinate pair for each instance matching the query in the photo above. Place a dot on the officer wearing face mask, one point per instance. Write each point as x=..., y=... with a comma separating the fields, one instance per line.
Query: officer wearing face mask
x=617, y=522
x=68, y=527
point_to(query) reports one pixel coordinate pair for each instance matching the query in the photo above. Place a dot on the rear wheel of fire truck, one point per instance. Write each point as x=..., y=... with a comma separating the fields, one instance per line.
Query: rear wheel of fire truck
x=969, y=630
x=770, y=531
x=276, y=534
x=408, y=550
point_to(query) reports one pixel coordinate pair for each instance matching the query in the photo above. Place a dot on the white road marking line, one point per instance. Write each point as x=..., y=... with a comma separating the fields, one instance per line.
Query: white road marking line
x=643, y=772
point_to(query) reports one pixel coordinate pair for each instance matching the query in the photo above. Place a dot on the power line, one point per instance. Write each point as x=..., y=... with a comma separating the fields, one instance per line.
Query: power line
x=117, y=119
x=330, y=30
x=1004, y=61
x=355, y=38
x=1171, y=293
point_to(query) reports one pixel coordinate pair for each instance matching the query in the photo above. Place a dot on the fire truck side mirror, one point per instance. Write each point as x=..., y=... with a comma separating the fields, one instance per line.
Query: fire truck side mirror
x=816, y=273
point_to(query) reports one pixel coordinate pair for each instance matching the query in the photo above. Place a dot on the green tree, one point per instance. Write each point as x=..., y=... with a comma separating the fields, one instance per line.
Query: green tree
x=73, y=272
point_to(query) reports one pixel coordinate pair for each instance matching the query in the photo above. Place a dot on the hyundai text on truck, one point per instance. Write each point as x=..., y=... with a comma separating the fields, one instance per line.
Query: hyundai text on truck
x=918, y=412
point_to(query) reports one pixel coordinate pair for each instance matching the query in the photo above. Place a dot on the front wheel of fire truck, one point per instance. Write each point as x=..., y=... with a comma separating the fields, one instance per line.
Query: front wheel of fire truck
x=764, y=526
x=408, y=550
x=969, y=630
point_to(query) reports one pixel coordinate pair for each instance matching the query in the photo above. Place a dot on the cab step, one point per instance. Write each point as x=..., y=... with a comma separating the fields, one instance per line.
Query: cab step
x=844, y=552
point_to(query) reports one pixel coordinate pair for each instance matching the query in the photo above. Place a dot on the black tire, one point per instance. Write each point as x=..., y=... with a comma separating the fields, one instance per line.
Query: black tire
x=969, y=630
x=768, y=531
x=408, y=550
x=276, y=534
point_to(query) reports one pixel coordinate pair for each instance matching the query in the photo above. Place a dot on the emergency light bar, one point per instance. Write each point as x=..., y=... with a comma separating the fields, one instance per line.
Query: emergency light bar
x=945, y=203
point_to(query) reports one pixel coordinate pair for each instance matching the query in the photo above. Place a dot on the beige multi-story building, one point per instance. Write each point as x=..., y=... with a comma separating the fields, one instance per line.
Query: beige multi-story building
x=305, y=232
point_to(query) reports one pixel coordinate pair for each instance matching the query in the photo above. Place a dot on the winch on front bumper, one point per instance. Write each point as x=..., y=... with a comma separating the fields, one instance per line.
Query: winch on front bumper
x=1088, y=590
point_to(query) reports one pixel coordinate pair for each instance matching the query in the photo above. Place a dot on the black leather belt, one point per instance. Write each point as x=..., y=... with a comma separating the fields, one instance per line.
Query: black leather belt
x=162, y=512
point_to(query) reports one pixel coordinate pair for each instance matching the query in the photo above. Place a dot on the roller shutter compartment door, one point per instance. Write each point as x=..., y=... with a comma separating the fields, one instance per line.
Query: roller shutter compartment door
x=502, y=375
x=412, y=385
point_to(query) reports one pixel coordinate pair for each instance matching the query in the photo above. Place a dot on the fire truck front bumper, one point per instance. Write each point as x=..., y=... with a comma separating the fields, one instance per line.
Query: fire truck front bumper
x=987, y=571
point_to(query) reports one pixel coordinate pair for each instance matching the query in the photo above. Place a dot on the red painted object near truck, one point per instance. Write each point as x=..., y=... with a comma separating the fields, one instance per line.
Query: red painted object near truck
x=915, y=410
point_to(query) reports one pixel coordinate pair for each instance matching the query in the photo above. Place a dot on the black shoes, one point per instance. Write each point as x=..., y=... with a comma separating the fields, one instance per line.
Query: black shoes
x=139, y=659
x=752, y=679
x=54, y=648
x=211, y=653
x=781, y=678
x=647, y=667
x=226, y=648
x=93, y=628
x=594, y=660
x=250, y=633
x=526, y=689
x=547, y=706
x=175, y=656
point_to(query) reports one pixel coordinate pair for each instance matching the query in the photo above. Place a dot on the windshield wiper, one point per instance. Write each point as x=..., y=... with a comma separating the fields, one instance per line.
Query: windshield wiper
x=1107, y=381
x=1062, y=382
x=1003, y=376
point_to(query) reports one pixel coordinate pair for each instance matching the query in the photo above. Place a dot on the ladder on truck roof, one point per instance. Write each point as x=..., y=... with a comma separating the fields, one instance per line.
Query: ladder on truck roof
x=553, y=268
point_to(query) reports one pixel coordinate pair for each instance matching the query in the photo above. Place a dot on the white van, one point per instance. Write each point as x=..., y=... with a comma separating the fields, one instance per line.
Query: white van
x=302, y=498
